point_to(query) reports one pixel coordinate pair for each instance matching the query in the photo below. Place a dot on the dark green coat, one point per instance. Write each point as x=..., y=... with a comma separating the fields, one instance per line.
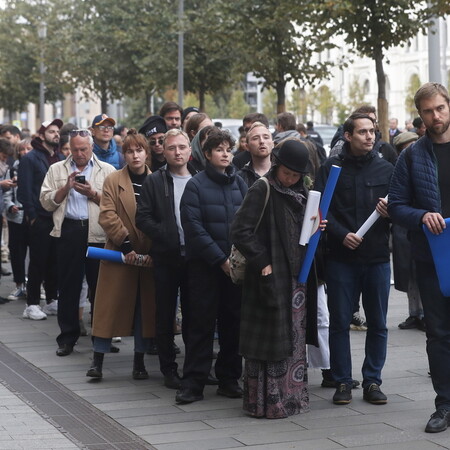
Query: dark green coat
x=266, y=311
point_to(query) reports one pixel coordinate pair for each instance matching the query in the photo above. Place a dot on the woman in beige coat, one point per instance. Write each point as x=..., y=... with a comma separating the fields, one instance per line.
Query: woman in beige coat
x=124, y=301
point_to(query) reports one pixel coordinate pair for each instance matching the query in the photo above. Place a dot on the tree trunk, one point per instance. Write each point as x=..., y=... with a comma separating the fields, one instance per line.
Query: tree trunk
x=281, y=96
x=382, y=106
x=148, y=104
x=104, y=102
x=201, y=99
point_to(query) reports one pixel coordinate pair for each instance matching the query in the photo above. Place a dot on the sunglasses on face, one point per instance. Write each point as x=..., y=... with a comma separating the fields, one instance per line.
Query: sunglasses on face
x=105, y=127
x=81, y=132
x=160, y=141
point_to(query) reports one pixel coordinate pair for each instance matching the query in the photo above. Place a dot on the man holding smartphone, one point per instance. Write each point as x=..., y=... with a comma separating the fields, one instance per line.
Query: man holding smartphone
x=71, y=191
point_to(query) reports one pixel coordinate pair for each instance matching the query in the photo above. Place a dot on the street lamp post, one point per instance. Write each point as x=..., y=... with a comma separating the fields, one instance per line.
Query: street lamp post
x=42, y=33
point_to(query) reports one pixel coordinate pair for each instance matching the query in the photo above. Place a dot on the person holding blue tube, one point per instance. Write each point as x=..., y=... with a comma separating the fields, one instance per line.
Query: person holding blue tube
x=356, y=265
x=278, y=314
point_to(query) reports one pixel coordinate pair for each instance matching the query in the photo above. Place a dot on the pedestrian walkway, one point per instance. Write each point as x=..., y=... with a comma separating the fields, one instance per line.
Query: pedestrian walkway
x=51, y=404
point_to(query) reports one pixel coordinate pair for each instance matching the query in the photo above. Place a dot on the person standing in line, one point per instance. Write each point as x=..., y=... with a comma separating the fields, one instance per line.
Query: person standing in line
x=105, y=147
x=355, y=265
x=43, y=266
x=158, y=216
x=125, y=297
x=278, y=318
x=71, y=191
x=419, y=195
x=208, y=205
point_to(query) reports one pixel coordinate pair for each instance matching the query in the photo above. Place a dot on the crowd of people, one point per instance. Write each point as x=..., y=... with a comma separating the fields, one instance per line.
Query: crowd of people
x=174, y=197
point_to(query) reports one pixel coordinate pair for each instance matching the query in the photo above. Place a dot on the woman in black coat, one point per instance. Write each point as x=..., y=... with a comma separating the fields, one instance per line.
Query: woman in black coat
x=278, y=317
x=209, y=203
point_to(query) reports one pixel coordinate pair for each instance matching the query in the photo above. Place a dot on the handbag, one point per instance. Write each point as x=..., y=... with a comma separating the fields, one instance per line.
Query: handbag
x=237, y=259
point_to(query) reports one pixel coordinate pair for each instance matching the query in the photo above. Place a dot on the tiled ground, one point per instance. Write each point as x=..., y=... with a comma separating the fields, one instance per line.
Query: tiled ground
x=148, y=409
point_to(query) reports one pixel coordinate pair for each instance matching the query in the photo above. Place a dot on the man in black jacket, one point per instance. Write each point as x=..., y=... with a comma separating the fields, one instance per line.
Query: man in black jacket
x=42, y=268
x=357, y=265
x=158, y=216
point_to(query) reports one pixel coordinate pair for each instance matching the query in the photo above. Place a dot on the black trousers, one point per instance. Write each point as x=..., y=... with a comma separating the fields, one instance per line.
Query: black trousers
x=212, y=296
x=18, y=244
x=72, y=266
x=43, y=264
x=168, y=280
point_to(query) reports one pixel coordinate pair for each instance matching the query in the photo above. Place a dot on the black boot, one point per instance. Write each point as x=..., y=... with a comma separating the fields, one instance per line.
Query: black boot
x=139, y=372
x=96, y=367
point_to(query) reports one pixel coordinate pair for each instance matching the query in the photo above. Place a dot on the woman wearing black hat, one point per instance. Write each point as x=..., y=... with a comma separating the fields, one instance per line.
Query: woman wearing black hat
x=277, y=318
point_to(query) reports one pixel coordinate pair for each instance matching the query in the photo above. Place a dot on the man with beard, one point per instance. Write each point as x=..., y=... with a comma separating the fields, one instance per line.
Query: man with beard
x=420, y=194
x=259, y=145
x=42, y=268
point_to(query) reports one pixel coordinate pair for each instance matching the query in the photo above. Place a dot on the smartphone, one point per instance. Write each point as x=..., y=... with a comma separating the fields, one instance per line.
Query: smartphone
x=80, y=179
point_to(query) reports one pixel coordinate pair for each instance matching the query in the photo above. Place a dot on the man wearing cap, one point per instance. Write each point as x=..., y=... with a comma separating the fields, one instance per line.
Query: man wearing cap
x=42, y=267
x=171, y=113
x=105, y=147
x=72, y=191
x=357, y=265
x=153, y=129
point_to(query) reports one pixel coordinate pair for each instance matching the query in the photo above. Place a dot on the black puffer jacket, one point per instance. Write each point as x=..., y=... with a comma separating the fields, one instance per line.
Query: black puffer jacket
x=208, y=206
x=155, y=215
x=362, y=181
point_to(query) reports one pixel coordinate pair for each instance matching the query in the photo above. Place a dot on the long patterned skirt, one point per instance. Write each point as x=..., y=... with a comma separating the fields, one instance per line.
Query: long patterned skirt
x=278, y=389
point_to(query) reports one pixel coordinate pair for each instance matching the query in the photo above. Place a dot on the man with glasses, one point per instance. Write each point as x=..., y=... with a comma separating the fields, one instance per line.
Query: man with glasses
x=71, y=191
x=42, y=267
x=105, y=147
x=153, y=129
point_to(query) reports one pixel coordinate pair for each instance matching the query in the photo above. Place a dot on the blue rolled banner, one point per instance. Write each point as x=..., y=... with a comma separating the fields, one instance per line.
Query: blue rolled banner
x=440, y=249
x=107, y=255
x=323, y=211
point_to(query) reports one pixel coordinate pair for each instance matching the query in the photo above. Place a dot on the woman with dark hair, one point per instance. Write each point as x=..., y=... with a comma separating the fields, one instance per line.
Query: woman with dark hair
x=278, y=317
x=209, y=202
x=64, y=146
x=124, y=301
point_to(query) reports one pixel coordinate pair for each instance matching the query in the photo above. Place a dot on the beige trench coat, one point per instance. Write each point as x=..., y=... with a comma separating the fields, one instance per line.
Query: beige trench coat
x=118, y=284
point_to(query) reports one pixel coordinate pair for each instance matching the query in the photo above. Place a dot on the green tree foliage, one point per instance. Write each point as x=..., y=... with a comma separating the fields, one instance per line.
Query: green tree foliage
x=270, y=104
x=279, y=43
x=21, y=52
x=111, y=48
x=413, y=86
x=374, y=26
x=211, y=54
x=326, y=104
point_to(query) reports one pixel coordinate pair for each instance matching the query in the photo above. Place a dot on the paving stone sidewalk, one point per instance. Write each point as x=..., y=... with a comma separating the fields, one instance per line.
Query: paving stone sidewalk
x=148, y=410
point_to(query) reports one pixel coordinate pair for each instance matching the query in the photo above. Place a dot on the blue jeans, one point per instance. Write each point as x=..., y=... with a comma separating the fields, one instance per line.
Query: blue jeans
x=141, y=344
x=345, y=282
x=436, y=310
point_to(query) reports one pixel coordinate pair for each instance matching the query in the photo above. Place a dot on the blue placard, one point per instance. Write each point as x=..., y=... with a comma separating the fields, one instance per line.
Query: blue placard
x=440, y=249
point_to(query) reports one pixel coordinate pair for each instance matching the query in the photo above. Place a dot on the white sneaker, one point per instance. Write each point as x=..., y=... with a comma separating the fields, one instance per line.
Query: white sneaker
x=116, y=339
x=34, y=312
x=51, y=309
x=17, y=294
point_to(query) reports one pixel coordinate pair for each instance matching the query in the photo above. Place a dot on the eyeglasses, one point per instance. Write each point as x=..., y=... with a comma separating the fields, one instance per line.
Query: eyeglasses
x=153, y=141
x=105, y=127
x=81, y=132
